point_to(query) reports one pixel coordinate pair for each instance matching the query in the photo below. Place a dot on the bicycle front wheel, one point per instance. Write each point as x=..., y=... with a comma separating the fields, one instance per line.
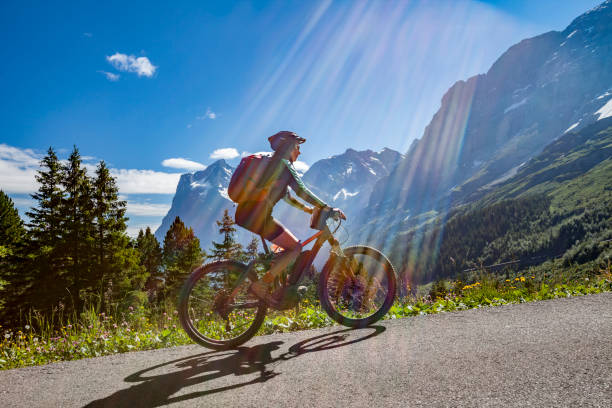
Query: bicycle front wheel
x=214, y=311
x=358, y=289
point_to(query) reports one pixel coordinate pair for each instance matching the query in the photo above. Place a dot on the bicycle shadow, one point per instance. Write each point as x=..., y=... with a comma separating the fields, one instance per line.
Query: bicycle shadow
x=158, y=390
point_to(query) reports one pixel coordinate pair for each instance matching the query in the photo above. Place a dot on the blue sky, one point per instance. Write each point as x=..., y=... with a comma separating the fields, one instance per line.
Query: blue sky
x=156, y=90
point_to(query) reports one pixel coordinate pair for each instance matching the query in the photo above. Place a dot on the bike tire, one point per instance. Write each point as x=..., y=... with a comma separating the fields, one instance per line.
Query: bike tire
x=328, y=289
x=200, y=278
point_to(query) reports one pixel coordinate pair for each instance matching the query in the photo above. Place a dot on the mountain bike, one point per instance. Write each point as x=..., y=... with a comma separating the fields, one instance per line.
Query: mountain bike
x=356, y=288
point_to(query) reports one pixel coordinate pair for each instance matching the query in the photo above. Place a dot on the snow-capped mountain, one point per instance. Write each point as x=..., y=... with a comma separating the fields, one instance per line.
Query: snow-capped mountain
x=200, y=200
x=490, y=124
x=343, y=181
x=346, y=180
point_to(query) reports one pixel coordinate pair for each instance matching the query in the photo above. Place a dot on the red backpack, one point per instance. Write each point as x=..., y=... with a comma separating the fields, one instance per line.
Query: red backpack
x=244, y=183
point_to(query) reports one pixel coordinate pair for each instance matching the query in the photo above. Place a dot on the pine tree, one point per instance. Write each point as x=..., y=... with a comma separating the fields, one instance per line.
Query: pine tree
x=78, y=228
x=181, y=254
x=116, y=264
x=42, y=281
x=150, y=253
x=229, y=248
x=251, y=249
x=12, y=235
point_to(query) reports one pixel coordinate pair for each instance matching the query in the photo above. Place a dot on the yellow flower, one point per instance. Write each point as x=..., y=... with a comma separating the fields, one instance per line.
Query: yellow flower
x=507, y=280
x=516, y=279
x=522, y=279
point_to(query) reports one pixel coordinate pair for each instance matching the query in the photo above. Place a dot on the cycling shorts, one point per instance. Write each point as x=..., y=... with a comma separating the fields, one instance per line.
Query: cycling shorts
x=256, y=216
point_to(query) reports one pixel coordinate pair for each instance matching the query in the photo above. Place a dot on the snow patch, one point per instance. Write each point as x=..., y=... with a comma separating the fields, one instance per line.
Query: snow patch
x=605, y=111
x=572, y=34
x=371, y=171
x=515, y=105
x=195, y=185
x=523, y=89
x=572, y=127
x=604, y=95
x=345, y=194
x=349, y=170
x=223, y=192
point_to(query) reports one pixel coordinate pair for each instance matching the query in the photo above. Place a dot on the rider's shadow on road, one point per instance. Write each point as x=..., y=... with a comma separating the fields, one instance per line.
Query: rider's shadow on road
x=158, y=390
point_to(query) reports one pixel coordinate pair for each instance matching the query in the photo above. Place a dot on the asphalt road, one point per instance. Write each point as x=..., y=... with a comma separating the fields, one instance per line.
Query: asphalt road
x=542, y=354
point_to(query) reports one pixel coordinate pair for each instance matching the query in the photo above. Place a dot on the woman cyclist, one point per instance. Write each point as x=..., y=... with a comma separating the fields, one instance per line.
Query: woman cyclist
x=256, y=215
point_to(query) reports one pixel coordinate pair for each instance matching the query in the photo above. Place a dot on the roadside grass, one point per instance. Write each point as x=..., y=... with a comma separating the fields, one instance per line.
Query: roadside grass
x=95, y=334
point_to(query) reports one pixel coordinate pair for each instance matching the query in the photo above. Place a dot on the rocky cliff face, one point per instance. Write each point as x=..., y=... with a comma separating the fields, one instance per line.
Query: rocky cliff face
x=490, y=124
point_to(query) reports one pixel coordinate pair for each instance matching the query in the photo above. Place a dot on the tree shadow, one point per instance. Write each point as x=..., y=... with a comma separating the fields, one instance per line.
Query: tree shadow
x=158, y=390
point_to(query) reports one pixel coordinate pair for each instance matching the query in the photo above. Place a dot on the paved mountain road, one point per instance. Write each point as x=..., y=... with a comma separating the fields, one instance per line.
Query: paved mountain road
x=552, y=353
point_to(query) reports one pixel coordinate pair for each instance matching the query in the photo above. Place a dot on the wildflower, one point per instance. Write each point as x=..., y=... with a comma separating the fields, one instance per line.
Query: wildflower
x=131, y=308
x=115, y=325
x=174, y=326
x=176, y=312
x=27, y=327
x=516, y=279
x=522, y=279
x=69, y=326
x=7, y=336
x=164, y=313
x=507, y=280
x=90, y=326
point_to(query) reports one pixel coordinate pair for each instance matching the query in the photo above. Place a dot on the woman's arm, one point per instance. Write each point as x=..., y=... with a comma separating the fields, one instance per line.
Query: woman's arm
x=297, y=185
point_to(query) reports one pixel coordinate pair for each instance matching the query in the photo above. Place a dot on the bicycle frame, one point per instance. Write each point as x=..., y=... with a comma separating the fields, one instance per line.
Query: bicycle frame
x=296, y=274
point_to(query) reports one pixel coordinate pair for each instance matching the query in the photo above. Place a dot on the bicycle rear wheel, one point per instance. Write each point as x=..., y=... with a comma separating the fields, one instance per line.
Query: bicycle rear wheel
x=208, y=312
x=357, y=290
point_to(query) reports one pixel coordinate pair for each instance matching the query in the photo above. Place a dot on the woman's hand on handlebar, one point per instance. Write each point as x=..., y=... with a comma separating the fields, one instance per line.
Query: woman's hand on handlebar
x=309, y=210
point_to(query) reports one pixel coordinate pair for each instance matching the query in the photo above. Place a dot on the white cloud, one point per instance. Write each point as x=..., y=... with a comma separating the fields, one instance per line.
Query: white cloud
x=245, y=153
x=110, y=76
x=147, y=209
x=180, y=163
x=24, y=202
x=134, y=181
x=225, y=153
x=17, y=169
x=88, y=35
x=129, y=63
x=133, y=229
x=189, y=125
x=208, y=115
x=300, y=166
